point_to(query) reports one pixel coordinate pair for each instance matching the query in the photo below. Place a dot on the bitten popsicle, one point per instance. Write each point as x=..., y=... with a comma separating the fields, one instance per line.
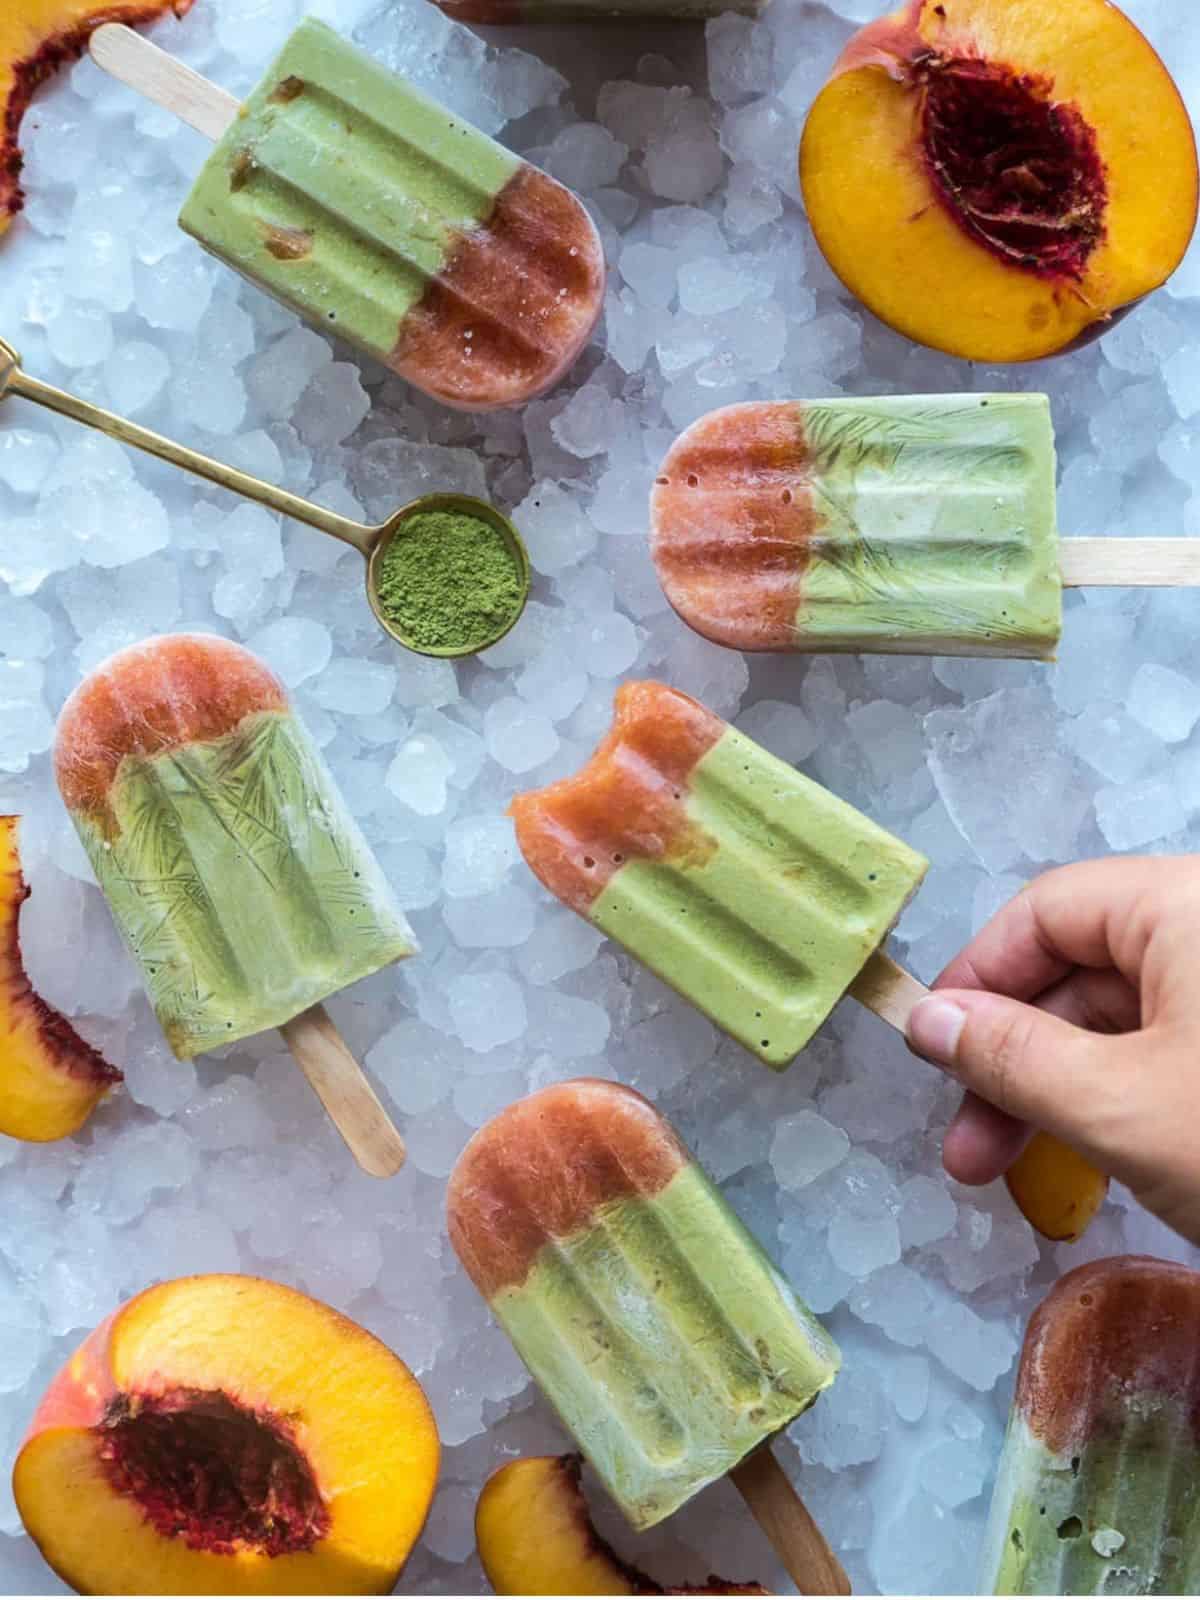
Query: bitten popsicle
x=908, y=525
x=234, y=872
x=383, y=217
x=756, y=893
x=1099, y=1483
x=664, y=1338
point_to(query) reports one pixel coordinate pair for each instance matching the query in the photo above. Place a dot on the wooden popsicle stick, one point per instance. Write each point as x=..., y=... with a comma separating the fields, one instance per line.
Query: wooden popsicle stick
x=787, y=1522
x=343, y=1089
x=126, y=56
x=885, y=988
x=1129, y=563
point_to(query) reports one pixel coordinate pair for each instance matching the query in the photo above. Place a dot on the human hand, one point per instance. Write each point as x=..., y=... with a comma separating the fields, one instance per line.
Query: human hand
x=1077, y=1010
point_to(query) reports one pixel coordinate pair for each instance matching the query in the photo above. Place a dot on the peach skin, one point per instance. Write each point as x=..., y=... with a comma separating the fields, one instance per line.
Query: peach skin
x=51, y=1080
x=999, y=180
x=227, y=1435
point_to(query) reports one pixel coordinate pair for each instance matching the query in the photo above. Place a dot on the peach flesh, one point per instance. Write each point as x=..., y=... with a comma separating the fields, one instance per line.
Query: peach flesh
x=69, y=1052
x=1019, y=173
x=535, y=1535
x=213, y=1473
x=310, y=1377
x=884, y=219
x=51, y=1079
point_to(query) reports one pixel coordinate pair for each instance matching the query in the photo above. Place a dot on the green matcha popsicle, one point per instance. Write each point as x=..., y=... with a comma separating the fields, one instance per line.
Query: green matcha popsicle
x=386, y=219
x=746, y=886
x=237, y=877
x=908, y=525
x=1099, y=1484
x=660, y=1332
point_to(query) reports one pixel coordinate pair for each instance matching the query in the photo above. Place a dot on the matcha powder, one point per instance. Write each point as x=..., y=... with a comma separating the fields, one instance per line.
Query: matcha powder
x=449, y=581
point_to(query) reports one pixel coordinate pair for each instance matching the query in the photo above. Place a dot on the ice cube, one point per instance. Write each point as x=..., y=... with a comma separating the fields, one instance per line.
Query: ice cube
x=804, y=1147
x=135, y=373
x=480, y=853
x=908, y=1386
x=419, y=774
x=297, y=648
x=1141, y=813
x=518, y=736
x=1164, y=701
x=487, y=1008
x=498, y=920
x=740, y=58
x=355, y=687
x=585, y=157
x=556, y=531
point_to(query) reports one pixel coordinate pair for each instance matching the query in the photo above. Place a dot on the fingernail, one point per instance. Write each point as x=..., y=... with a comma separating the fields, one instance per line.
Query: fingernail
x=934, y=1029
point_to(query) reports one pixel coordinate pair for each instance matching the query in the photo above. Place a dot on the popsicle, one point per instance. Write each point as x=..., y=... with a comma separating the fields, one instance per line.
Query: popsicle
x=1099, y=1484
x=909, y=525
x=384, y=218
x=656, y=1326
x=494, y=12
x=752, y=890
x=234, y=872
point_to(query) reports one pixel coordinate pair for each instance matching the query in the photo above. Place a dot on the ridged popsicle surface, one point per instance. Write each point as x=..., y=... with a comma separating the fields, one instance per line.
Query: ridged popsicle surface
x=387, y=220
x=659, y=1330
x=238, y=879
x=752, y=890
x=910, y=525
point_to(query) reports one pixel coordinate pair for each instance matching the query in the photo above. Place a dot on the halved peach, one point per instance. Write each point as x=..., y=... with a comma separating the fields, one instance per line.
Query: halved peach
x=36, y=38
x=999, y=178
x=535, y=1536
x=228, y=1435
x=1057, y=1190
x=51, y=1080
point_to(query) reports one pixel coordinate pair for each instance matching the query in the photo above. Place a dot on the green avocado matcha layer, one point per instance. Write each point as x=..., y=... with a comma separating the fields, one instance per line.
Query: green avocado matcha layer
x=241, y=883
x=936, y=528
x=667, y=1342
x=342, y=190
x=1120, y=1517
x=767, y=920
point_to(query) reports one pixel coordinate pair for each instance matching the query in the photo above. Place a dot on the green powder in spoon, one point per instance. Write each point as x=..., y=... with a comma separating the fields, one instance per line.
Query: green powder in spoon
x=449, y=581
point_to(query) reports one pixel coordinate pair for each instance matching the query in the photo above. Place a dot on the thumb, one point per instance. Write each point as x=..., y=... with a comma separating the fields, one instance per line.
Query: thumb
x=1033, y=1065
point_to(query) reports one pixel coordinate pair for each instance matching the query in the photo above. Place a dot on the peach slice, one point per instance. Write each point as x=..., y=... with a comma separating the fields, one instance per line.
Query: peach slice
x=36, y=38
x=535, y=1536
x=227, y=1435
x=1057, y=1190
x=999, y=180
x=51, y=1080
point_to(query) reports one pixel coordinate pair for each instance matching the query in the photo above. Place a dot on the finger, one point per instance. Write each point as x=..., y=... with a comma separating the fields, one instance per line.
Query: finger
x=1096, y=914
x=1032, y=1065
x=1101, y=1002
x=982, y=1142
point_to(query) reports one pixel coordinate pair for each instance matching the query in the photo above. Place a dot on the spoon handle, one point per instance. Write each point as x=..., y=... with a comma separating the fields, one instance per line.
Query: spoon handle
x=13, y=380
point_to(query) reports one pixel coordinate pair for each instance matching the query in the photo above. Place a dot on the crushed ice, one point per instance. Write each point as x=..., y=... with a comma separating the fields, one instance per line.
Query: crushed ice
x=717, y=294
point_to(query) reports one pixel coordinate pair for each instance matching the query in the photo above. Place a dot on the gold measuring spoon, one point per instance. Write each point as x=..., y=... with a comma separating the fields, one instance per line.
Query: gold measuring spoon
x=370, y=540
